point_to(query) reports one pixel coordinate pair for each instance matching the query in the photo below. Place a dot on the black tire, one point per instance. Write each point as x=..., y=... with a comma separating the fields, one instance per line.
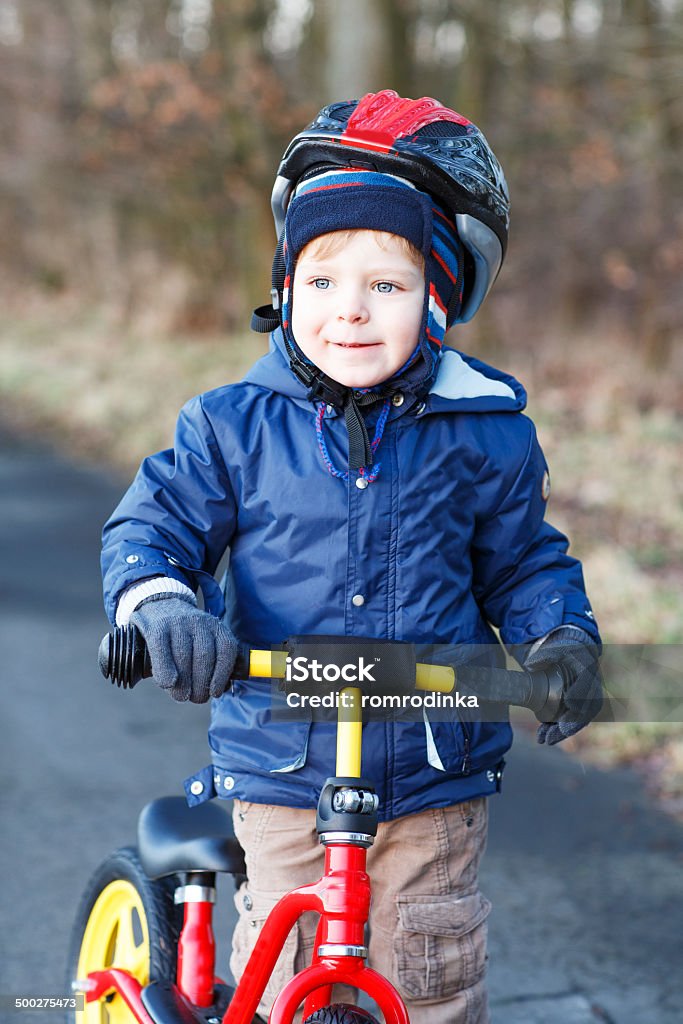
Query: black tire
x=341, y=1013
x=124, y=919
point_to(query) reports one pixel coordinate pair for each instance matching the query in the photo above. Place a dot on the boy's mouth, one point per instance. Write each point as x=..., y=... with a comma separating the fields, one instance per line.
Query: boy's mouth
x=355, y=344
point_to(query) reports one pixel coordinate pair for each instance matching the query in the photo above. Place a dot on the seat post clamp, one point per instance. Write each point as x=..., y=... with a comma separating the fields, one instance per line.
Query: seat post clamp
x=194, y=894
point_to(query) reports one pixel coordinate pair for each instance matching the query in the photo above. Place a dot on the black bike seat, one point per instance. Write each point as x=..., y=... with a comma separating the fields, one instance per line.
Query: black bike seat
x=173, y=837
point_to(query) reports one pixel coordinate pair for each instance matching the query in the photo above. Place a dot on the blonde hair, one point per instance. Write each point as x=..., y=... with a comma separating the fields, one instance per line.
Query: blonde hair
x=330, y=244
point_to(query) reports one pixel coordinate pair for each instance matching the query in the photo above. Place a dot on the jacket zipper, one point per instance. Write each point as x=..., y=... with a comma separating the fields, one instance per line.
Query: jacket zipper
x=466, y=755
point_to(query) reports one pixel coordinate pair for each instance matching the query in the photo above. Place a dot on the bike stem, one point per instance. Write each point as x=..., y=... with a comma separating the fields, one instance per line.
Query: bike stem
x=349, y=734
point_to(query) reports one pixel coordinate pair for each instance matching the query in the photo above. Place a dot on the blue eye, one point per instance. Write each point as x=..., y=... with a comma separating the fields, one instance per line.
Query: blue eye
x=321, y=282
x=385, y=287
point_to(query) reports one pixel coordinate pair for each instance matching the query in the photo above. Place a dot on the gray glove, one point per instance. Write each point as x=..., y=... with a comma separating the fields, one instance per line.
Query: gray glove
x=192, y=652
x=576, y=654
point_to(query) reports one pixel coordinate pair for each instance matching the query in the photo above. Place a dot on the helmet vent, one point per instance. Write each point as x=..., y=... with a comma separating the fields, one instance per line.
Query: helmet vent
x=442, y=130
x=335, y=115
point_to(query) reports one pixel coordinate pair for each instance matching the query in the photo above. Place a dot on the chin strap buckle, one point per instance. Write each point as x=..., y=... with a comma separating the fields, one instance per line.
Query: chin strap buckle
x=319, y=387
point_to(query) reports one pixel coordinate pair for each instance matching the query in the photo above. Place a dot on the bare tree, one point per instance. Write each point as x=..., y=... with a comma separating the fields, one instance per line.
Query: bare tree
x=357, y=51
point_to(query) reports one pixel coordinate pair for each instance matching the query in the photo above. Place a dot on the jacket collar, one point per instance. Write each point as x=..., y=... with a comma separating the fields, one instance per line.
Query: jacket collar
x=462, y=384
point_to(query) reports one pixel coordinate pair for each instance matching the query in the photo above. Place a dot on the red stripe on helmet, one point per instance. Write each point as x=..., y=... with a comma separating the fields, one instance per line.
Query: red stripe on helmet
x=376, y=142
x=385, y=116
x=437, y=341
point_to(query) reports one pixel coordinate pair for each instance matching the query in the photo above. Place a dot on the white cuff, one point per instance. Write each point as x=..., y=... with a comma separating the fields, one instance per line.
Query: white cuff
x=137, y=592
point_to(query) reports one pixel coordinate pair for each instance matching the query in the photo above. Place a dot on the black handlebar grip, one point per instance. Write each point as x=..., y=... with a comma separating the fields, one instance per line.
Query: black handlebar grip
x=124, y=658
x=540, y=691
x=547, y=689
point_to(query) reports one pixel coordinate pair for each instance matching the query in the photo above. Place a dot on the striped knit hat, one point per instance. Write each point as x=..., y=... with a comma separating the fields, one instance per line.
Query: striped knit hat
x=348, y=198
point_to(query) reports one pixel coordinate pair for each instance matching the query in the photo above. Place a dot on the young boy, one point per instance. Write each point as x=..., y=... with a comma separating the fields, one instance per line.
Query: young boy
x=367, y=481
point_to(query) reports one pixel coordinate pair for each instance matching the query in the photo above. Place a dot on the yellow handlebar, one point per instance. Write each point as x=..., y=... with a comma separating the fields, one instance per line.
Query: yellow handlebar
x=436, y=678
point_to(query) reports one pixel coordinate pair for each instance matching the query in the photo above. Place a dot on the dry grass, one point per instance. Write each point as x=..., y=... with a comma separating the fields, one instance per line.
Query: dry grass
x=611, y=430
x=106, y=393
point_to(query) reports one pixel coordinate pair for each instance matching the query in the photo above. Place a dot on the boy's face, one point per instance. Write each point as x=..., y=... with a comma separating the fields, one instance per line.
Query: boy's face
x=356, y=312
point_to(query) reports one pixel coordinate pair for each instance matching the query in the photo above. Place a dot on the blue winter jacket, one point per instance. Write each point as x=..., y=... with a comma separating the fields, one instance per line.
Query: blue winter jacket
x=448, y=540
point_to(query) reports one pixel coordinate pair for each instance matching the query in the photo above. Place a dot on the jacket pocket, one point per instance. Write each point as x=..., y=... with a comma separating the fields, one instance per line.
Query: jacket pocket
x=449, y=746
x=245, y=736
x=441, y=944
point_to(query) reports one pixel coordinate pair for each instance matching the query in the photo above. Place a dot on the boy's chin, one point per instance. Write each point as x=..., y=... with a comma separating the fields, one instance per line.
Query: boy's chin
x=354, y=380
x=355, y=377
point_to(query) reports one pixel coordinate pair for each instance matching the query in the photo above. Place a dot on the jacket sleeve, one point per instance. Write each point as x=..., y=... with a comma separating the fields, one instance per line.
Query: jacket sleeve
x=523, y=579
x=177, y=517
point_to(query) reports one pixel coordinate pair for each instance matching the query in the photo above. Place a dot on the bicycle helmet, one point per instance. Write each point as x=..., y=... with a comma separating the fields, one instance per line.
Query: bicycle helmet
x=435, y=148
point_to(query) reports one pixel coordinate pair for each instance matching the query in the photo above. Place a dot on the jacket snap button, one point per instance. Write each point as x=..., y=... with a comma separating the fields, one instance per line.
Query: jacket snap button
x=398, y=399
x=491, y=776
x=228, y=782
x=132, y=559
x=361, y=483
x=358, y=600
x=248, y=902
x=420, y=409
x=545, y=486
x=197, y=788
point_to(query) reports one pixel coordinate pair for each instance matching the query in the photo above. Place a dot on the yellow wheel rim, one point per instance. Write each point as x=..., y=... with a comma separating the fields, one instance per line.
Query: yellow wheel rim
x=116, y=935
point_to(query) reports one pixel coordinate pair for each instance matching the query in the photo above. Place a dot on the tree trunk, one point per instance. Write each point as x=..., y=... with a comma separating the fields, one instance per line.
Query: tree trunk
x=357, y=49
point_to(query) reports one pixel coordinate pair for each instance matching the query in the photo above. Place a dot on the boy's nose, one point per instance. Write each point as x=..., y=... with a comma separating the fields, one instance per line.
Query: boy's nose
x=358, y=317
x=352, y=310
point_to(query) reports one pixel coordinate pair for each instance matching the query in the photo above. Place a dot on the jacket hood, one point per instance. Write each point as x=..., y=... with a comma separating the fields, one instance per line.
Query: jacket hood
x=462, y=383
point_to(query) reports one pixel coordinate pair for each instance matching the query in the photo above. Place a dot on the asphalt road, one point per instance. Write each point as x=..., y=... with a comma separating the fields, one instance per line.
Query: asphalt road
x=584, y=873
